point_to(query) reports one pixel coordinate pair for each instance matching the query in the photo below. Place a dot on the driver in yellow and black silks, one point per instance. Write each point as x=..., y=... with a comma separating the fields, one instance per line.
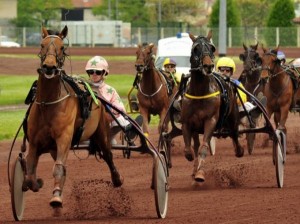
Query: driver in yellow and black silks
x=226, y=67
x=170, y=68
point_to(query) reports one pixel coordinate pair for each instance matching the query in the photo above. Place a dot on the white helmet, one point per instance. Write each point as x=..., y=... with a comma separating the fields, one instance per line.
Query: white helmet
x=97, y=63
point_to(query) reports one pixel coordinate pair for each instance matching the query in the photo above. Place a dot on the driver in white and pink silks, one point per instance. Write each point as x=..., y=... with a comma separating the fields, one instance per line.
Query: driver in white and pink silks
x=97, y=69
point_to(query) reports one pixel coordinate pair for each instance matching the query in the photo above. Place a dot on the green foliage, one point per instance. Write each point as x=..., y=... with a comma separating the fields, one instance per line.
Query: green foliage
x=233, y=16
x=126, y=10
x=233, y=19
x=281, y=15
x=36, y=12
x=253, y=12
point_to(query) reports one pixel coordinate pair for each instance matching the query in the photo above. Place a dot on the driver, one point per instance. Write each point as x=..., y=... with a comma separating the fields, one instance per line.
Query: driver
x=226, y=67
x=97, y=70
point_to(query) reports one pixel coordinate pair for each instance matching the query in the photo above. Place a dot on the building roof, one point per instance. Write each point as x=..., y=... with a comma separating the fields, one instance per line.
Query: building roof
x=296, y=20
x=86, y=3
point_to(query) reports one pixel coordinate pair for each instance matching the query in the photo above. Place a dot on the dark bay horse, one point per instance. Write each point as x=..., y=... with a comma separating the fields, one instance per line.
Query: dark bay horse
x=204, y=110
x=278, y=89
x=253, y=83
x=152, y=92
x=54, y=118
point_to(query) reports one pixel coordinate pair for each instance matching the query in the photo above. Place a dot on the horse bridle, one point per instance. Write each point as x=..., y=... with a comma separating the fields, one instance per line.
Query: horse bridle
x=250, y=61
x=268, y=68
x=147, y=60
x=207, y=49
x=59, y=60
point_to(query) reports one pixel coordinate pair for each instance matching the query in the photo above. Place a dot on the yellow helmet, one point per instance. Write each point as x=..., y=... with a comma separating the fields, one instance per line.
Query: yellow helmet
x=169, y=61
x=226, y=62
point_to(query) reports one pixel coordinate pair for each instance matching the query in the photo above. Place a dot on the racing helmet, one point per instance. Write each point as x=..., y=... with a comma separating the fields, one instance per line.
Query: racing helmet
x=226, y=62
x=169, y=61
x=296, y=64
x=280, y=55
x=97, y=63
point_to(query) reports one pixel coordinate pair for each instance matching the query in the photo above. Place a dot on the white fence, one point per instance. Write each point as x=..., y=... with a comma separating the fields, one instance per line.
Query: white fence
x=122, y=35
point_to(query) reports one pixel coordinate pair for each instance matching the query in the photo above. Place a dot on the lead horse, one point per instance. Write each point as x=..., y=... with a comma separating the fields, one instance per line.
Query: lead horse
x=209, y=105
x=153, y=95
x=54, y=118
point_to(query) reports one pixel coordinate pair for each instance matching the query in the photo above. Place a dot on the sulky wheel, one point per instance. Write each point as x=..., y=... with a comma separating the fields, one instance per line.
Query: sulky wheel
x=165, y=149
x=160, y=181
x=279, y=153
x=17, y=194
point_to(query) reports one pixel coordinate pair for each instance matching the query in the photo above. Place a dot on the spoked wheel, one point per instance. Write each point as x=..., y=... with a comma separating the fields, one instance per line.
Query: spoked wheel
x=212, y=146
x=161, y=186
x=165, y=149
x=250, y=142
x=17, y=194
x=279, y=153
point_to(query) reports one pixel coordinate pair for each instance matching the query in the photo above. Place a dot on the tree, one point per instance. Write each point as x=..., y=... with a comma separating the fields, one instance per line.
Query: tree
x=36, y=12
x=126, y=10
x=254, y=12
x=233, y=16
x=233, y=19
x=281, y=15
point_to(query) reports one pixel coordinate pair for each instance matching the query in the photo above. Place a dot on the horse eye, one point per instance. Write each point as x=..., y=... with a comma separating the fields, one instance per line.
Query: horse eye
x=62, y=47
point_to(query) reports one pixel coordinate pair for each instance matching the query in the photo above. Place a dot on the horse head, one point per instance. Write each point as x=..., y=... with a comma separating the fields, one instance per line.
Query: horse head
x=202, y=55
x=144, y=58
x=52, y=51
x=249, y=58
x=268, y=62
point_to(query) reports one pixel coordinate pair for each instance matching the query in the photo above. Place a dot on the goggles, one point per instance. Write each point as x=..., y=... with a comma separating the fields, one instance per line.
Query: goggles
x=97, y=72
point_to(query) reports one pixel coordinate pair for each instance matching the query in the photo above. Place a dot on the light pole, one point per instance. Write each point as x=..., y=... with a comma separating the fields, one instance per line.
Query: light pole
x=222, y=28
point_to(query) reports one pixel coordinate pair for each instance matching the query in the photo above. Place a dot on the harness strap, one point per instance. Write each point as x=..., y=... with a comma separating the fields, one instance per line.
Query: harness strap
x=202, y=97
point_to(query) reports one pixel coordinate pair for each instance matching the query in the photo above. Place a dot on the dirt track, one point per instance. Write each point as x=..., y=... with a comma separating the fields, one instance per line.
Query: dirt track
x=240, y=190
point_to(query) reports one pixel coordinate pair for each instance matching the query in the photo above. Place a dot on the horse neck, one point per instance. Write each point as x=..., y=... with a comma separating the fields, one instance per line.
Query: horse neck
x=252, y=78
x=151, y=80
x=278, y=79
x=49, y=90
x=200, y=84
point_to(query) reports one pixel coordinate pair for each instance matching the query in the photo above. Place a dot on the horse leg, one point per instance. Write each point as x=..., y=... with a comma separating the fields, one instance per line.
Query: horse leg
x=239, y=150
x=101, y=138
x=196, y=149
x=187, y=137
x=144, y=114
x=30, y=181
x=204, y=148
x=59, y=170
x=284, y=113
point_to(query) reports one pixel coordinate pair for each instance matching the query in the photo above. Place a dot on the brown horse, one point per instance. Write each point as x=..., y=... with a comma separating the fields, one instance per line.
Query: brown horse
x=54, y=118
x=278, y=89
x=152, y=89
x=253, y=83
x=206, y=108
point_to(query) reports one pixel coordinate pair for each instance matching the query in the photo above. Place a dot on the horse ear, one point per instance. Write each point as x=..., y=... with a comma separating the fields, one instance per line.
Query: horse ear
x=63, y=33
x=245, y=47
x=209, y=35
x=264, y=49
x=151, y=45
x=255, y=46
x=44, y=32
x=193, y=38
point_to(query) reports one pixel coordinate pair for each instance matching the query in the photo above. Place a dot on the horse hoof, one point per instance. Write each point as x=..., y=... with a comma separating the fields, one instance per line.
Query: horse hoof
x=40, y=182
x=118, y=182
x=199, y=177
x=56, y=202
x=189, y=156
